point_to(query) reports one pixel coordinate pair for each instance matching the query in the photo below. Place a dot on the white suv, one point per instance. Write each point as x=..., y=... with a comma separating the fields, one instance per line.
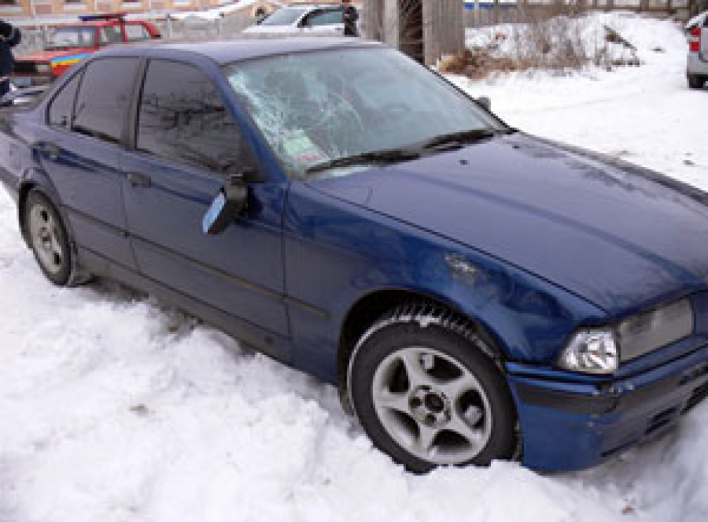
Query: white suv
x=302, y=20
x=697, y=69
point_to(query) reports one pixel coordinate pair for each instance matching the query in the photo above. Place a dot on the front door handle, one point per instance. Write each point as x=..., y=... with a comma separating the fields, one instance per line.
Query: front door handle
x=137, y=179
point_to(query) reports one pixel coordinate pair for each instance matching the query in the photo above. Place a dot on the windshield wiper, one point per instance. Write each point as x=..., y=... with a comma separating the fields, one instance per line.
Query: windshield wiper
x=459, y=138
x=378, y=156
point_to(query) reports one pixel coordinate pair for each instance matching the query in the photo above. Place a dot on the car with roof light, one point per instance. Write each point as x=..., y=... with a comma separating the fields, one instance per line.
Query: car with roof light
x=473, y=292
x=68, y=44
x=697, y=65
x=302, y=20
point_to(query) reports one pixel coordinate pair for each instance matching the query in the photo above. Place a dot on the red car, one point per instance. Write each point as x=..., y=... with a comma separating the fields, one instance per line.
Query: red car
x=68, y=44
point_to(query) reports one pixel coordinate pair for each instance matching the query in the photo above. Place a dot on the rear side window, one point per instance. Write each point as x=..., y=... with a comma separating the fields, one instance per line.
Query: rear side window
x=325, y=18
x=285, y=16
x=136, y=32
x=63, y=103
x=104, y=96
x=182, y=117
x=111, y=34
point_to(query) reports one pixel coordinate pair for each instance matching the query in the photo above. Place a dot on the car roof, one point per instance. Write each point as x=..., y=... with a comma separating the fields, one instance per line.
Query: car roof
x=97, y=23
x=237, y=49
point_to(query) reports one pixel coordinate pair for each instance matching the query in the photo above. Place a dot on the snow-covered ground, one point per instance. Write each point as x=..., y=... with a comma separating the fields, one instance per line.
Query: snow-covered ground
x=645, y=115
x=115, y=409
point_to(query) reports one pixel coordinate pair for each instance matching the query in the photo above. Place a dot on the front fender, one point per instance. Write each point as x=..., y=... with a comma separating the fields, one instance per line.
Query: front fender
x=337, y=253
x=528, y=318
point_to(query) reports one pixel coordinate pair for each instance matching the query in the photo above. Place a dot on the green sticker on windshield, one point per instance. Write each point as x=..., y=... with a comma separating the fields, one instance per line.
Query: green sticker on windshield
x=301, y=148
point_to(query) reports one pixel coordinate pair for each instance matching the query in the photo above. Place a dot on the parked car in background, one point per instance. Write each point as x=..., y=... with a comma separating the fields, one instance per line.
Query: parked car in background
x=312, y=19
x=341, y=208
x=697, y=68
x=71, y=43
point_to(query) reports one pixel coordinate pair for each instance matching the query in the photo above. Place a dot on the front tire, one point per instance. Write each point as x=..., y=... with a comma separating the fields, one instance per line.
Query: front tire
x=430, y=396
x=48, y=239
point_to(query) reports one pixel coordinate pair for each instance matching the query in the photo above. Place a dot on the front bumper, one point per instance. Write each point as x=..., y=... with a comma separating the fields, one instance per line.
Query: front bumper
x=568, y=425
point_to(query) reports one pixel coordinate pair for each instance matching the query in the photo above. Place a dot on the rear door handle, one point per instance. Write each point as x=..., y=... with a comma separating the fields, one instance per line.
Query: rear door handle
x=137, y=179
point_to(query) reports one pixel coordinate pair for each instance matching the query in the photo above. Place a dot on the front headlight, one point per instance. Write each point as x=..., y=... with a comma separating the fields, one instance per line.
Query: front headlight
x=591, y=351
x=43, y=68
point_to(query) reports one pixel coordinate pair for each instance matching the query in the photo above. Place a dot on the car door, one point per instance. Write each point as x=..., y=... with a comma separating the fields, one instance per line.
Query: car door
x=186, y=142
x=324, y=22
x=80, y=149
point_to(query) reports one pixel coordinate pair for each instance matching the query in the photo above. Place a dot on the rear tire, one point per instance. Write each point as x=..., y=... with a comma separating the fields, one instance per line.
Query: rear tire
x=695, y=81
x=429, y=396
x=48, y=239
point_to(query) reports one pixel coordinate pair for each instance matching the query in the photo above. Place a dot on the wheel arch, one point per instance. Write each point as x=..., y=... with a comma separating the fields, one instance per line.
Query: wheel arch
x=364, y=313
x=38, y=181
x=30, y=180
x=25, y=189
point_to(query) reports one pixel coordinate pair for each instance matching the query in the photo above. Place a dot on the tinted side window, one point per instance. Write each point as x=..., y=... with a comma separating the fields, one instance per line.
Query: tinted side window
x=103, y=98
x=182, y=117
x=63, y=103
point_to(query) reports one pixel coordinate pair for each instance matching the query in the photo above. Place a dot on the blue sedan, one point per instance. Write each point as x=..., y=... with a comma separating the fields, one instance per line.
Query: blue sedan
x=474, y=293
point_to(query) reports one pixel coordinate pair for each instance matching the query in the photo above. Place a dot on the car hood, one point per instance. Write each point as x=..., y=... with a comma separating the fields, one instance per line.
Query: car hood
x=620, y=236
x=48, y=56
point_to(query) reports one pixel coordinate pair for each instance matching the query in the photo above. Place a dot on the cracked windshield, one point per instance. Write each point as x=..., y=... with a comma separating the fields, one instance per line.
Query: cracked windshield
x=324, y=107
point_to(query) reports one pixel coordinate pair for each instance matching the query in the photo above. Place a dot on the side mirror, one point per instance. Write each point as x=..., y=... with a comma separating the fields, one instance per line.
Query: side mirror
x=231, y=201
x=485, y=102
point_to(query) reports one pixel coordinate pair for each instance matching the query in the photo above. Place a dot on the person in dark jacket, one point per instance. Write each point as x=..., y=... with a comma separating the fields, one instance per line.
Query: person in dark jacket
x=350, y=17
x=9, y=38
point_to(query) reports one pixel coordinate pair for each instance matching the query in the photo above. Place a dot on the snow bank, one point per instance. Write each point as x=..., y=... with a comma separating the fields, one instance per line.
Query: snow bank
x=587, y=35
x=643, y=114
x=114, y=408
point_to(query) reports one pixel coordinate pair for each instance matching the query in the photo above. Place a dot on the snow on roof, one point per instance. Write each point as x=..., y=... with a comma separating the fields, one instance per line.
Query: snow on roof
x=220, y=12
